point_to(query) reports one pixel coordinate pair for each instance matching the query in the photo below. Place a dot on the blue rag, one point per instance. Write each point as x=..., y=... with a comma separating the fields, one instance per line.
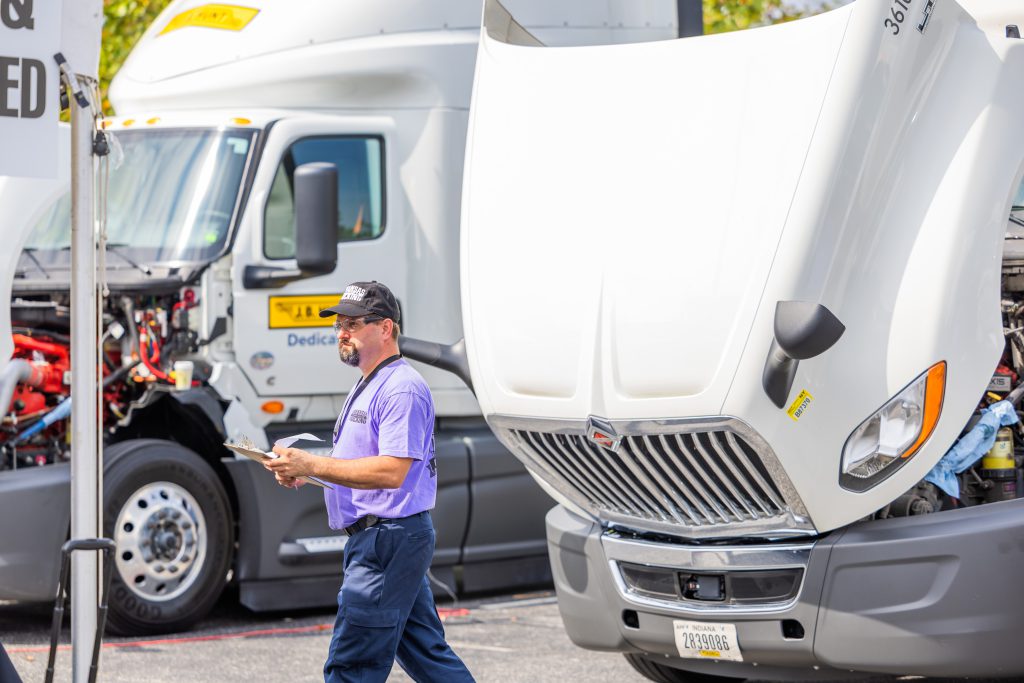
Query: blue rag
x=971, y=446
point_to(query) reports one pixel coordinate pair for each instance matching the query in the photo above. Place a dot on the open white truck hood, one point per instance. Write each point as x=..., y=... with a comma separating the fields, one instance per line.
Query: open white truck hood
x=22, y=203
x=633, y=214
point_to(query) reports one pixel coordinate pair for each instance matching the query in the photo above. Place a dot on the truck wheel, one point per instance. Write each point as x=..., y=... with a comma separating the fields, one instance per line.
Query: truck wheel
x=660, y=673
x=170, y=517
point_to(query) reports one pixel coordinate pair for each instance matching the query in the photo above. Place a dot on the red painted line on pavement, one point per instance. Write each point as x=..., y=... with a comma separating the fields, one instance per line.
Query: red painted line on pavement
x=444, y=613
x=191, y=639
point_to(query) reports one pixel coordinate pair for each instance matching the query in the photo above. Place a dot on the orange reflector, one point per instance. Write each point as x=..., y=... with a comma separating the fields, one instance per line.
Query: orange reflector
x=240, y=121
x=273, y=407
x=934, y=391
x=127, y=122
x=155, y=119
x=107, y=123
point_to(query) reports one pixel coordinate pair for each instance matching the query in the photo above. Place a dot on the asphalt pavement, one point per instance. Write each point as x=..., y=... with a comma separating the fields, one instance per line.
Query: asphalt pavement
x=502, y=638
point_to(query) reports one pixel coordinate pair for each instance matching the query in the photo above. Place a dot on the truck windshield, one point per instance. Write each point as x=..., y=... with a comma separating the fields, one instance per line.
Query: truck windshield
x=172, y=199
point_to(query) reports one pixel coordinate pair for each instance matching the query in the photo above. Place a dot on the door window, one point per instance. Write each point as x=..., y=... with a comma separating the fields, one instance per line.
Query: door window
x=360, y=191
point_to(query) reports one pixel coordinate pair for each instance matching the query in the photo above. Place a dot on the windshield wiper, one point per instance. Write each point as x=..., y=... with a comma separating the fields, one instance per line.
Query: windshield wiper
x=1016, y=221
x=115, y=248
x=29, y=250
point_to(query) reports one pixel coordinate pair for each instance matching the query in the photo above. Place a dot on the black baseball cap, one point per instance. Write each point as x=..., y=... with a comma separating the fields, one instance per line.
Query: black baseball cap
x=365, y=298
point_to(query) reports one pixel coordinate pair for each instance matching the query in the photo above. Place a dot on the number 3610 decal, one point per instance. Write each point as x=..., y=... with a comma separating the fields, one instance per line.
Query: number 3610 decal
x=898, y=14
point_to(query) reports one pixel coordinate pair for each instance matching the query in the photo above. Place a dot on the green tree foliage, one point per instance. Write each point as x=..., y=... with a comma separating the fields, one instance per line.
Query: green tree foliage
x=733, y=15
x=124, y=23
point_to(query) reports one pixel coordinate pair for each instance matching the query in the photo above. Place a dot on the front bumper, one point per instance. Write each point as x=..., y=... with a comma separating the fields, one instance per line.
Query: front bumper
x=933, y=595
x=35, y=518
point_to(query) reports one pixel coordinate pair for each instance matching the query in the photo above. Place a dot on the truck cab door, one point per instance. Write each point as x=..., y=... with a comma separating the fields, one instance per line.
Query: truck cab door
x=281, y=343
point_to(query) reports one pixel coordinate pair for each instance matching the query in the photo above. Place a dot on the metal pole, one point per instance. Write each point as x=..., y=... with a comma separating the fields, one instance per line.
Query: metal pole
x=85, y=493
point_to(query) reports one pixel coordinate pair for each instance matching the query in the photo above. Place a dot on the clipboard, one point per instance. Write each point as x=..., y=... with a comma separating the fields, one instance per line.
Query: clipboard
x=261, y=457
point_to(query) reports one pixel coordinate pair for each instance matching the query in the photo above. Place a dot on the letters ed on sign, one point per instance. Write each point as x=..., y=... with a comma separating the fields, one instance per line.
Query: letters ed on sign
x=30, y=32
x=31, y=85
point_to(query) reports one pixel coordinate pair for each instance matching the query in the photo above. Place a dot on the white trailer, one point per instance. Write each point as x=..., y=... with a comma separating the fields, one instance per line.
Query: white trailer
x=730, y=299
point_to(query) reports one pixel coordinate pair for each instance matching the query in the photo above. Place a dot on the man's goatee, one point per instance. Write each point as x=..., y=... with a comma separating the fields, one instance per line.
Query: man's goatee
x=349, y=355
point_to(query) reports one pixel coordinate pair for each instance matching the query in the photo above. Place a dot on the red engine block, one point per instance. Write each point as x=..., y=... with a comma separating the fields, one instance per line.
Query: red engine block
x=48, y=378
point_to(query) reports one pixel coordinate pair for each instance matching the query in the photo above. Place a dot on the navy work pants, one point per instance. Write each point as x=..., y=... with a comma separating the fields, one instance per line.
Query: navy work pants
x=386, y=611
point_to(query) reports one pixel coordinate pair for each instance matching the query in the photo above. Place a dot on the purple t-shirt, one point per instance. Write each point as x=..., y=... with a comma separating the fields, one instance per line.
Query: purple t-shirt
x=393, y=415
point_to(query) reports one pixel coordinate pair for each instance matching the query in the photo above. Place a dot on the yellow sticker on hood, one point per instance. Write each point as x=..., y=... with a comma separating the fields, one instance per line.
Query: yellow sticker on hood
x=800, y=405
x=225, y=17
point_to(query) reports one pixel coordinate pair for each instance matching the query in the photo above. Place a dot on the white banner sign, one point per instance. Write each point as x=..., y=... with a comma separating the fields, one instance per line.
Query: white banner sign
x=29, y=87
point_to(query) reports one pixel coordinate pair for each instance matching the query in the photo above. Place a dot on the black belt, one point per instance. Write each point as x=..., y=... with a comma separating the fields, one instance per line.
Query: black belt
x=363, y=523
x=373, y=520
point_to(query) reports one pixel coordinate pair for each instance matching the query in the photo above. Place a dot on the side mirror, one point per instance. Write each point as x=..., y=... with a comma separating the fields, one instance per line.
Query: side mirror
x=450, y=357
x=803, y=330
x=316, y=230
x=316, y=218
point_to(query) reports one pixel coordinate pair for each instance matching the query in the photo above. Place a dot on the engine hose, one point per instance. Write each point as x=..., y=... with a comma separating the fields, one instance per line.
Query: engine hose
x=156, y=345
x=61, y=411
x=18, y=371
x=1014, y=396
x=120, y=373
x=129, y=312
x=55, y=336
x=108, y=362
x=152, y=368
x=45, y=347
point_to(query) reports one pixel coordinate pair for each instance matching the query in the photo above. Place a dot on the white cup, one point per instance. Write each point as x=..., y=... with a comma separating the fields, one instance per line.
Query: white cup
x=182, y=374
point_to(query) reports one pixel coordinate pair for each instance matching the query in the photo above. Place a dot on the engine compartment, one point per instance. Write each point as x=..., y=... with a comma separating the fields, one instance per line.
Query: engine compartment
x=142, y=339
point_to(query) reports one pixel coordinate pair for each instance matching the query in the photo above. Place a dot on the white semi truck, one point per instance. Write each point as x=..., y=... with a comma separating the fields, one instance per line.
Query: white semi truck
x=731, y=299
x=223, y=244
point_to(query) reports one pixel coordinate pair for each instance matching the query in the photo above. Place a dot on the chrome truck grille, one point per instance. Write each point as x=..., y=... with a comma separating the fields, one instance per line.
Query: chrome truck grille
x=704, y=478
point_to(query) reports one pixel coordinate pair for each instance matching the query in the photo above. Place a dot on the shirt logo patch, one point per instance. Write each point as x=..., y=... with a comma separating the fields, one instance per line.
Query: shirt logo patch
x=358, y=416
x=432, y=466
x=353, y=293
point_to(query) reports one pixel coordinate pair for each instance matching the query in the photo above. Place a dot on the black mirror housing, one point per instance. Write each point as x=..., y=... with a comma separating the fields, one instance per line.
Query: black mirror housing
x=803, y=330
x=316, y=218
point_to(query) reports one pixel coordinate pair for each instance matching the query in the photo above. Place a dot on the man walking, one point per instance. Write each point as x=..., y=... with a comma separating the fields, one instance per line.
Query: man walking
x=385, y=480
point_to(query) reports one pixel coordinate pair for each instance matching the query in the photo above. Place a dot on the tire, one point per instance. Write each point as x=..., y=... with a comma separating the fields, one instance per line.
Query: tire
x=171, y=519
x=660, y=673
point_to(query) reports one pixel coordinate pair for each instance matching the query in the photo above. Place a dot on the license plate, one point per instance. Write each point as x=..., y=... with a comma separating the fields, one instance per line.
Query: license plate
x=707, y=640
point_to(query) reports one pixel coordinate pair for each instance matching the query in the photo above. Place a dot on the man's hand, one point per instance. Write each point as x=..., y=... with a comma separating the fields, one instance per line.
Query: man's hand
x=288, y=482
x=290, y=464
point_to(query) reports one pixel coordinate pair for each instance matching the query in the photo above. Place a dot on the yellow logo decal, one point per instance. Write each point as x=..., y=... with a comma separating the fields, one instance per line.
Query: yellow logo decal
x=800, y=405
x=300, y=311
x=225, y=17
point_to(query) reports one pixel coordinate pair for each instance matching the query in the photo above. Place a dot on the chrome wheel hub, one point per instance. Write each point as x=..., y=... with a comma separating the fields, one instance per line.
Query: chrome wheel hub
x=161, y=541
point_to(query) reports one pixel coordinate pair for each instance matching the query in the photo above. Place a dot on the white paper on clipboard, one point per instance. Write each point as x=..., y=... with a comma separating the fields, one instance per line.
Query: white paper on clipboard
x=248, y=448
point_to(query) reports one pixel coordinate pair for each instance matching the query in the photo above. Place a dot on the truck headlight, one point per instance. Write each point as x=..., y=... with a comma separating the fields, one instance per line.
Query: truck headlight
x=884, y=442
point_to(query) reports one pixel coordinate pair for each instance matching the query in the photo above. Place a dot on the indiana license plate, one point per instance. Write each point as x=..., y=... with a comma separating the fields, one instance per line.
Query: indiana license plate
x=707, y=640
